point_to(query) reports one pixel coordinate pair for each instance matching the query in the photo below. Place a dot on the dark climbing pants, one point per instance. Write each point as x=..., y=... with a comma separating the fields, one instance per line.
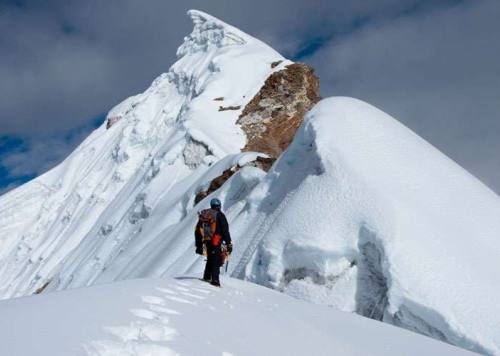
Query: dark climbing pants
x=214, y=261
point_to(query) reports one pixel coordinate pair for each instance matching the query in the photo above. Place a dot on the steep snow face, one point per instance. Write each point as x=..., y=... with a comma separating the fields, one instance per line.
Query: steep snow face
x=362, y=214
x=158, y=148
x=358, y=213
x=171, y=317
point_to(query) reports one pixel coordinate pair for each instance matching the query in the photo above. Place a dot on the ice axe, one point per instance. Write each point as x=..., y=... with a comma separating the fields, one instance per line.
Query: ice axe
x=225, y=255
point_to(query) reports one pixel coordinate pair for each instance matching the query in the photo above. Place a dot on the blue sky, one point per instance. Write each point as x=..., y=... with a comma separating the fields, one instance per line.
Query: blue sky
x=24, y=158
x=431, y=64
x=8, y=146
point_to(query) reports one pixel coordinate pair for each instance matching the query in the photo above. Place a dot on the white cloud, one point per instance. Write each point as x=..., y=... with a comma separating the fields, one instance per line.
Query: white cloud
x=64, y=62
x=36, y=155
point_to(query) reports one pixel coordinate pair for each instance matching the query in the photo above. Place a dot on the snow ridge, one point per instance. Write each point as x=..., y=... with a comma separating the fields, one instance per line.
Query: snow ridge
x=124, y=186
x=170, y=316
x=209, y=32
x=352, y=217
x=358, y=213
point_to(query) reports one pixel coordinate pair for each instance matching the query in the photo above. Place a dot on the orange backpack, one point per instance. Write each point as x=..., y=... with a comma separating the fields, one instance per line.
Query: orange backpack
x=207, y=221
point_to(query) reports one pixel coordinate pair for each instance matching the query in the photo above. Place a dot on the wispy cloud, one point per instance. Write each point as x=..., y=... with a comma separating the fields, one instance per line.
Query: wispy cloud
x=23, y=158
x=428, y=62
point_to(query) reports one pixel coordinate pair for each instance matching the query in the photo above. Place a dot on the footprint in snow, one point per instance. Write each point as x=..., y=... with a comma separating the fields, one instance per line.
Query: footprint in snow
x=151, y=299
x=135, y=339
x=185, y=284
x=142, y=331
x=199, y=297
x=179, y=300
x=184, y=291
x=166, y=290
x=199, y=290
x=150, y=315
x=145, y=336
x=110, y=347
x=160, y=309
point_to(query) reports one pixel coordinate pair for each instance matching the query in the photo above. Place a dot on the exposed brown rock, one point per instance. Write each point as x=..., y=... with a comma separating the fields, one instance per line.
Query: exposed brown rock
x=272, y=117
x=224, y=108
x=264, y=163
x=275, y=64
x=216, y=184
x=42, y=288
x=219, y=98
x=260, y=162
x=200, y=196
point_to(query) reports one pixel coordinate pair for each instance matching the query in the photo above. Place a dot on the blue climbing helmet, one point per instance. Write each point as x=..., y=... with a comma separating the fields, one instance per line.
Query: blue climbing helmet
x=215, y=203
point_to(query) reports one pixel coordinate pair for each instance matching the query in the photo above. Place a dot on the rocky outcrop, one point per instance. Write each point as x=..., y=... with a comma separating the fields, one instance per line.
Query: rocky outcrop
x=42, y=287
x=275, y=64
x=215, y=184
x=272, y=117
x=111, y=121
x=225, y=108
x=263, y=163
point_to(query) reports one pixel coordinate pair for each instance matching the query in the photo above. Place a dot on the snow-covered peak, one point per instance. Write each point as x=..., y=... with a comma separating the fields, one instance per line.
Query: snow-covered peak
x=158, y=148
x=219, y=69
x=358, y=213
x=209, y=32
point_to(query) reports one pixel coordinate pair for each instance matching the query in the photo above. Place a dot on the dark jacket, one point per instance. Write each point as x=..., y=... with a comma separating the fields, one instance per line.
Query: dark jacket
x=221, y=228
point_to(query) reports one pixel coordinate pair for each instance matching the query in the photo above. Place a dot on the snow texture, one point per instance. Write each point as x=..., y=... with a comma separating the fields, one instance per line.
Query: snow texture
x=359, y=213
x=124, y=187
x=362, y=214
x=188, y=317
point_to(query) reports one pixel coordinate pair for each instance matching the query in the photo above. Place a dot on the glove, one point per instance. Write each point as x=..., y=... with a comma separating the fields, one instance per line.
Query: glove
x=229, y=248
x=199, y=250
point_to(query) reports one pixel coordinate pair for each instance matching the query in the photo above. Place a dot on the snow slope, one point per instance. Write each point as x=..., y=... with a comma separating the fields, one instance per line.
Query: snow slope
x=363, y=214
x=159, y=149
x=351, y=216
x=359, y=213
x=189, y=317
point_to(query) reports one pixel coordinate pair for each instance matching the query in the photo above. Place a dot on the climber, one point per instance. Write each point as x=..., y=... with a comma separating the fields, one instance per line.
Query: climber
x=212, y=233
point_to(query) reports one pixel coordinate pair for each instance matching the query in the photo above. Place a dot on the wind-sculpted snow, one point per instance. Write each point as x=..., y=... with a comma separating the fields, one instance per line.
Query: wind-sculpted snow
x=359, y=213
x=209, y=33
x=124, y=185
x=185, y=316
x=362, y=214
x=354, y=215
